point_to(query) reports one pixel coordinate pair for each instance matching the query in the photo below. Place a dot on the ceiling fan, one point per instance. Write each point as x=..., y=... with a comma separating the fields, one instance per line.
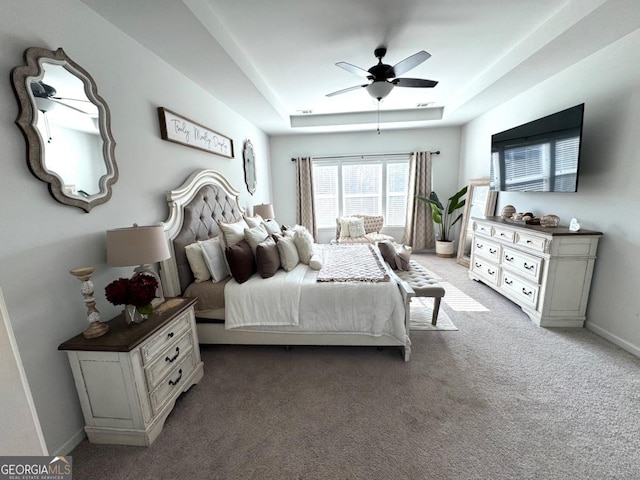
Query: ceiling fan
x=44, y=93
x=384, y=77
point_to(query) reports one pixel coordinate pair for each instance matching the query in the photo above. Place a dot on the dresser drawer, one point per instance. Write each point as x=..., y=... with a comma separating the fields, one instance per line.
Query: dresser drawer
x=524, y=292
x=486, y=249
x=487, y=270
x=172, y=383
x=172, y=355
x=504, y=234
x=538, y=244
x=527, y=265
x=165, y=337
x=482, y=228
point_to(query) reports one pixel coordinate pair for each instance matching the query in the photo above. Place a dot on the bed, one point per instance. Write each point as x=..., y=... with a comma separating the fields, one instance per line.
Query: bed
x=292, y=307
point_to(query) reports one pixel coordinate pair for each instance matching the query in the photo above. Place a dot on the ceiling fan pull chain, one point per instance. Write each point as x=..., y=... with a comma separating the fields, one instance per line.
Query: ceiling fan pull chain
x=46, y=126
x=378, y=117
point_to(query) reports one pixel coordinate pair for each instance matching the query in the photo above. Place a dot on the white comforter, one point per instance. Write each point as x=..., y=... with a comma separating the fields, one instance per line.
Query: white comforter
x=295, y=302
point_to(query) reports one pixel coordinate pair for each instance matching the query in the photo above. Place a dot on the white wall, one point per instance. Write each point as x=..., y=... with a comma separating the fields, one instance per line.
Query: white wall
x=41, y=240
x=608, y=82
x=285, y=147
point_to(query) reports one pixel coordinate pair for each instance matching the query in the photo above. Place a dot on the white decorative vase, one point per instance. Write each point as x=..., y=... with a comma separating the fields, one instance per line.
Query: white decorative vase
x=444, y=249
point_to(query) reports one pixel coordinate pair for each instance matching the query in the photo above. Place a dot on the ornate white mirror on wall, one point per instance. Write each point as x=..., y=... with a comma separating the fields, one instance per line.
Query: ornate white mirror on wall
x=67, y=126
x=481, y=202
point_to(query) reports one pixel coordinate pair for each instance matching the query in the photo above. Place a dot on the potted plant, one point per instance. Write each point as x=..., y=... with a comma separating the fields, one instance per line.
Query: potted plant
x=445, y=217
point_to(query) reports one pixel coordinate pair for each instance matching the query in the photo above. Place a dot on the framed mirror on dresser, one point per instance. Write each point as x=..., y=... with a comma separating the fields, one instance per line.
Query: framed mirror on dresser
x=67, y=126
x=481, y=202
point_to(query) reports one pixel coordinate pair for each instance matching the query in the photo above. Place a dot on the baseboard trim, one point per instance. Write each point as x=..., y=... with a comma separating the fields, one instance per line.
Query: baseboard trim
x=69, y=445
x=625, y=345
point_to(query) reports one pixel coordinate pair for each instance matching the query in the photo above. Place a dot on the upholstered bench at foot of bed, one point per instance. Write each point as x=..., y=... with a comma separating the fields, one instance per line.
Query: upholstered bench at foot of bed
x=423, y=284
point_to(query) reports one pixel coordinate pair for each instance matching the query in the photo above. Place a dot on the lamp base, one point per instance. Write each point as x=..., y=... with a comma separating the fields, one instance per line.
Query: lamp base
x=95, y=330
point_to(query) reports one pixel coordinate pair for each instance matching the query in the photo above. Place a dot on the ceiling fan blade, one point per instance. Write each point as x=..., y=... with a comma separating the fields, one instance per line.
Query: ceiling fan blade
x=353, y=69
x=345, y=90
x=68, y=106
x=72, y=99
x=408, y=63
x=414, y=82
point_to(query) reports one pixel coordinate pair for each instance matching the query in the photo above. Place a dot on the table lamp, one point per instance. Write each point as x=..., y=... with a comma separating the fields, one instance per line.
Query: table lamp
x=265, y=210
x=140, y=246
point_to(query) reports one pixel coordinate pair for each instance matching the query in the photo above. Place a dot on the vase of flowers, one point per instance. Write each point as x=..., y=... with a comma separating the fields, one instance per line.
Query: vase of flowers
x=136, y=294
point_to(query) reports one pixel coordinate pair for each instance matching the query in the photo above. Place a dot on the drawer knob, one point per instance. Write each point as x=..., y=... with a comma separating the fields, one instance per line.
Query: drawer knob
x=478, y=265
x=507, y=281
x=527, y=293
x=491, y=272
x=508, y=258
x=170, y=334
x=502, y=235
x=171, y=360
x=175, y=382
x=529, y=241
x=528, y=267
x=492, y=250
x=478, y=245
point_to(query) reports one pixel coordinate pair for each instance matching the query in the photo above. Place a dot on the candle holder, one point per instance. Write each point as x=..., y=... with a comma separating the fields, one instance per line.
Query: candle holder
x=96, y=327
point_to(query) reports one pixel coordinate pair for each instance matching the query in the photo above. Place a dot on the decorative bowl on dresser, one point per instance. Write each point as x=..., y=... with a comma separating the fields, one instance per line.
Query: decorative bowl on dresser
x=129, y=379
x=546, y=271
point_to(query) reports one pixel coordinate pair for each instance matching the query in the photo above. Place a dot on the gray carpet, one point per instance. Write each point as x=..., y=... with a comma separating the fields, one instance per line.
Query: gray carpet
x=498, y=399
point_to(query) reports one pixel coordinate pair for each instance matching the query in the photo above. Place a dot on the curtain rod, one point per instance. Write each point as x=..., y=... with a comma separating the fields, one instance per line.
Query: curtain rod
x=437, y=152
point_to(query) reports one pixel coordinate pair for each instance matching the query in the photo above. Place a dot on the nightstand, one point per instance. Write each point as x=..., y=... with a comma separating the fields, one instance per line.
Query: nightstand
x=129, y=379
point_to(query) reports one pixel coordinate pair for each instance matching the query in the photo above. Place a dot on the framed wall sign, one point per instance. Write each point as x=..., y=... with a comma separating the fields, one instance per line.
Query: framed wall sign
x=178, y=129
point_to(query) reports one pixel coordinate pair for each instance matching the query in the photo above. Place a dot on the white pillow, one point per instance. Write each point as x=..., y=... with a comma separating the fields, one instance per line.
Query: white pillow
x=253, y=221
x=288, y=253
x=214, y=259
x=255, y=236
x=233, y=232
x=197, y=263
x=356, y=227
x=316, y=261
x=304, y=244
x=344, y=226
x=272, y=226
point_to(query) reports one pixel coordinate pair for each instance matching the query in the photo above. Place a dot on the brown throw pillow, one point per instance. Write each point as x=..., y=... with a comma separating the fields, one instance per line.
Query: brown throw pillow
x=267, y=258
x=388, y=252
x=241, y=262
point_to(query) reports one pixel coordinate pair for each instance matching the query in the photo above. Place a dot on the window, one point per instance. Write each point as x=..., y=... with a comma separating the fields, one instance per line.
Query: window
x=366, y=185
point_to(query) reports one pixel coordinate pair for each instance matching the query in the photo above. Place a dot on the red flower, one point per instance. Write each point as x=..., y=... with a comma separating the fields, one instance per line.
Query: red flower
x=138, y=291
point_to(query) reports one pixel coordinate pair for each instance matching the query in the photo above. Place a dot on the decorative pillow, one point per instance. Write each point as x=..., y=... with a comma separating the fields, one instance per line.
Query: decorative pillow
x=344, y=226
x=288, y=252
x=388, y=252
x=255, y=235
x=271, y=226
x=304, y=244
x=267, y=258
x=403, y=256
x=197, y=263
x=356, y=227
x=316, y=261
x=214, y=259
x=241, y=262
x=253, y=221
x=233, y=232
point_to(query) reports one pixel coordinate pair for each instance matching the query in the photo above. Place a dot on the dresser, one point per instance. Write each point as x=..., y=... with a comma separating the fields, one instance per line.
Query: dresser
x=129, y=379
x=546, y=271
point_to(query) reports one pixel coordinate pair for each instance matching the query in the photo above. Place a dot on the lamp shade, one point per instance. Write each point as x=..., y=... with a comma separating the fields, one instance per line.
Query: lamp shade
x=265, y=210
x=136, y=246
x=379, y=89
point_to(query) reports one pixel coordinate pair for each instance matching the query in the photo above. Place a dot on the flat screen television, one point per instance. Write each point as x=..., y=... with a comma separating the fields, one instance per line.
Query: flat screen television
x=539, y=156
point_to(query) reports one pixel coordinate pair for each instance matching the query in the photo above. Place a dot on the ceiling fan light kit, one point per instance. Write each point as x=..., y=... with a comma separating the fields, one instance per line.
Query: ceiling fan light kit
x=380, y=89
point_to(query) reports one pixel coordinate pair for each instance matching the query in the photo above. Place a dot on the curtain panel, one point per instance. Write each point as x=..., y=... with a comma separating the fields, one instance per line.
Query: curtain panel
x=305, y=208
x=418, y=230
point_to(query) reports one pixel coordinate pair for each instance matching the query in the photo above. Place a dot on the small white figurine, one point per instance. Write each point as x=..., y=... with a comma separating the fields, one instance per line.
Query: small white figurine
x=574, y=226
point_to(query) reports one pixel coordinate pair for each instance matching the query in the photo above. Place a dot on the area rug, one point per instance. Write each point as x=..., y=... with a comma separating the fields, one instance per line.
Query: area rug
x=421, y=313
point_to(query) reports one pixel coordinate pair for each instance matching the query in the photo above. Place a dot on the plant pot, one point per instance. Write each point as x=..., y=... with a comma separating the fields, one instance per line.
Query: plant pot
x=444, y=249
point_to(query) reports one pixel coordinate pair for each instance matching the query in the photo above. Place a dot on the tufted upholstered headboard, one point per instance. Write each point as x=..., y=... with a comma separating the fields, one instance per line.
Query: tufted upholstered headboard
x=195, y=207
